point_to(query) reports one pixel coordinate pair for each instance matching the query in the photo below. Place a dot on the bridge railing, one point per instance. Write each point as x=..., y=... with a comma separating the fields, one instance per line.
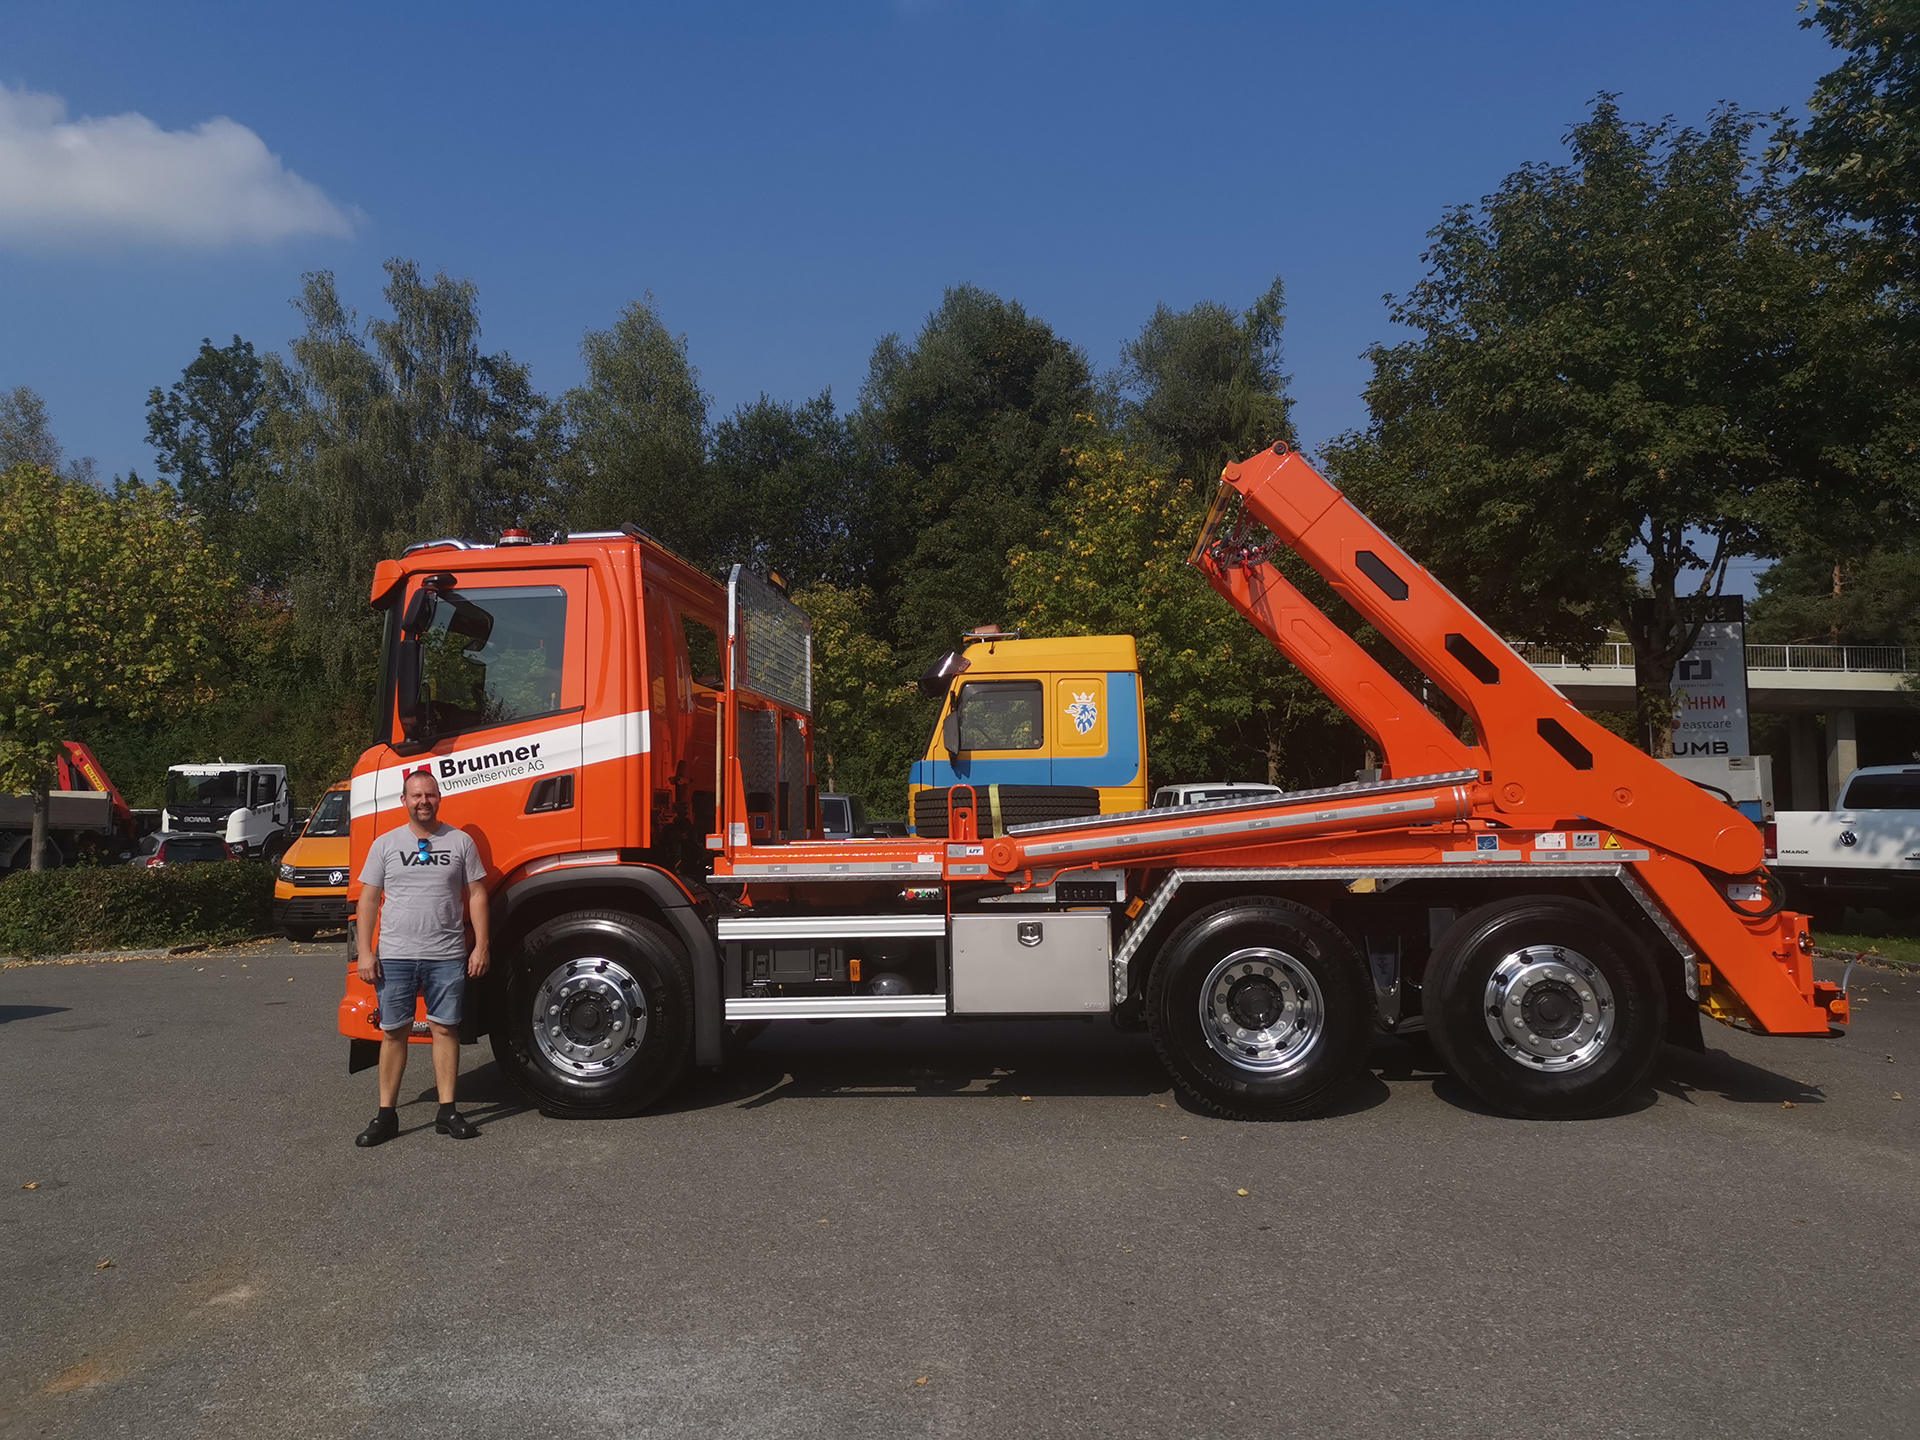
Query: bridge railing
x=1844, y=659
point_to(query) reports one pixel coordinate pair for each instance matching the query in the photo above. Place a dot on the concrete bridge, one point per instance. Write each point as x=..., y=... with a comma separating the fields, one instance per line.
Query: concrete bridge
x=1804, y=682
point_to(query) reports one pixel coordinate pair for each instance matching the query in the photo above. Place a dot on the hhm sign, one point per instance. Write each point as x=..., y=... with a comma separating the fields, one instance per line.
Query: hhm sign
x=1710, y=684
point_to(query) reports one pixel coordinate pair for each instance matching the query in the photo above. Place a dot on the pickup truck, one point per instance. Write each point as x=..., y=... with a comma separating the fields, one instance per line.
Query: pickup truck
x=1864, y=852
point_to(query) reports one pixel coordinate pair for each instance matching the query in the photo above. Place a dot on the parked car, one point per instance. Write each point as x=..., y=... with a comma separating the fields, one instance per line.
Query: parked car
x=181, y=848
x=310, y=888
x=1203, y=791
x=842, y=817
x=1864, y=852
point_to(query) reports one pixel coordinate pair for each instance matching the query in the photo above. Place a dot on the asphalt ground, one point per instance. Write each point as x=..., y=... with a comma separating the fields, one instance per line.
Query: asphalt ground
x=986, y=1230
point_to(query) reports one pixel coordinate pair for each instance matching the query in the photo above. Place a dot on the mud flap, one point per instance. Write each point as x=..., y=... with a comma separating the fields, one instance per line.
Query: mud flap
x=1683, y=1025
x=362, y=1055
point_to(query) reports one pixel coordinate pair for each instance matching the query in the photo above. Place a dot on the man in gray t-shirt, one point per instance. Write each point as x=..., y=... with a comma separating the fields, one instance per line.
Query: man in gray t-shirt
x=416, y=882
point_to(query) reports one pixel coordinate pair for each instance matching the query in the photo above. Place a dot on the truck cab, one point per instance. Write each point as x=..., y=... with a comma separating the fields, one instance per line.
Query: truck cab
x=246, y=805
x=1041, y=729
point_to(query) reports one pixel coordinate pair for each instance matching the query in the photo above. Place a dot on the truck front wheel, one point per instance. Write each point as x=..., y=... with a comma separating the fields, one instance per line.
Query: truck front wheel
x=1544, y=1008
x=1261, y=1010
x=599, y=1014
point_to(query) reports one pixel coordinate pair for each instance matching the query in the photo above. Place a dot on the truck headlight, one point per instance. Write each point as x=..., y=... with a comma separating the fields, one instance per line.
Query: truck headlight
x=286, y=872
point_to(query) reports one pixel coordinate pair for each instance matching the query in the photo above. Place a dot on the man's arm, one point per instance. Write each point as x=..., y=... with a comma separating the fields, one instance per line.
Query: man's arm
x=364, y=918
x=477, y=912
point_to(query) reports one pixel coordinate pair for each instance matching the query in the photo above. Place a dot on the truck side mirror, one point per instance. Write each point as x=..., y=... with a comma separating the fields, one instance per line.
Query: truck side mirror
x=950, y=733
x=419, y=612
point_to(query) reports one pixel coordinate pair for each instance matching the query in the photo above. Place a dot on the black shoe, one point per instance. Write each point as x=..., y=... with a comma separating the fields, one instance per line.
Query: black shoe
x=456, y=1125
x=382, y=1128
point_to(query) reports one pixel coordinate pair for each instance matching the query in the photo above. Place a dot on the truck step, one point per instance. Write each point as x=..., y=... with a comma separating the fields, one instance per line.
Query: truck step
x=838, y=1007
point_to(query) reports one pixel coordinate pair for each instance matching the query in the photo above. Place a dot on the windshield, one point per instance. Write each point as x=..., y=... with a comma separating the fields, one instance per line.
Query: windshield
x=221, y=790
x=329, y=816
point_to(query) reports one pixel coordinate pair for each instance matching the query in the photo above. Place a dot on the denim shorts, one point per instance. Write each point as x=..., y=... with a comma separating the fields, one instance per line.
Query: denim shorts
x=442, y=982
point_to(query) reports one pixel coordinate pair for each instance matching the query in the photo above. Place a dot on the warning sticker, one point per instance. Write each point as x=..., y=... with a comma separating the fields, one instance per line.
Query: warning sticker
x=1613, y=843
x=1551, y=840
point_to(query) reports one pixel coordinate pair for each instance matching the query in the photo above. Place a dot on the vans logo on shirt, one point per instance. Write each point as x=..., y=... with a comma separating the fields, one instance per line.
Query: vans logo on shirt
x=437, y=857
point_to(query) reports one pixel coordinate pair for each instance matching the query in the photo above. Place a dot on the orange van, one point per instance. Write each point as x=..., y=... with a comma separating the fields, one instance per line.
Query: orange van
x=310, y=892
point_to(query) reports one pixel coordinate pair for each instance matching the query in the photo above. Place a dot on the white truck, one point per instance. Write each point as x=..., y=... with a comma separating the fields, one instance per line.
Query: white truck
x=246, y=805
x=1864, y=852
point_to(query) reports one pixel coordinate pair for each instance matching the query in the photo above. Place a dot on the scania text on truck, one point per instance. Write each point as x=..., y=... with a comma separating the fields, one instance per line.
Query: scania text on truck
x=630, y=744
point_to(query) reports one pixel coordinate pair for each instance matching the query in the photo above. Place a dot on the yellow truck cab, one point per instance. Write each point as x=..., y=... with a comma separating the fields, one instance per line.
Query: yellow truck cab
x=310, y=891
x=1041, y=729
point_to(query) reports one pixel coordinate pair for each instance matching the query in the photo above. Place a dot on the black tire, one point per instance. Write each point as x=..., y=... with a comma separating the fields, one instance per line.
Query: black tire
x=301, y=933
x=589, y=974
x=1580, y=1010
x=1294, y=1008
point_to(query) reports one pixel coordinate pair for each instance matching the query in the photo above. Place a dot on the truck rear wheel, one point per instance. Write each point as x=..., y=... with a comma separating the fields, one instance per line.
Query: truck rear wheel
x=1261, y=1010
x=1544, y=1008
x=599, y=1014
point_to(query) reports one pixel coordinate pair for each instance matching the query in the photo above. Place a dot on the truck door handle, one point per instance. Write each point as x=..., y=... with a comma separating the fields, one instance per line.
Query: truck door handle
x=555, y=792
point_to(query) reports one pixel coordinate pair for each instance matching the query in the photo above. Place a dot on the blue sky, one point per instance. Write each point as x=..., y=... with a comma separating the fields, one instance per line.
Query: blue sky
x=790, y=182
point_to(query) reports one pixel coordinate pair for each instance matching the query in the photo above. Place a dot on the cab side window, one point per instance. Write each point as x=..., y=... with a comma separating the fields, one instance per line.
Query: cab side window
x=494, y=656
x=1000, y=715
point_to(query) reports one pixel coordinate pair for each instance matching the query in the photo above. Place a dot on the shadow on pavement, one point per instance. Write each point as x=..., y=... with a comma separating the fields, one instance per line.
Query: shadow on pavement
x=867, y=1060
x=1684, y=1074
x=10, y=1013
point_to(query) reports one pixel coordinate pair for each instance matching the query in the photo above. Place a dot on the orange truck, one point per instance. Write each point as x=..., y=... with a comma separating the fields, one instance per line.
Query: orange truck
x=630, y=744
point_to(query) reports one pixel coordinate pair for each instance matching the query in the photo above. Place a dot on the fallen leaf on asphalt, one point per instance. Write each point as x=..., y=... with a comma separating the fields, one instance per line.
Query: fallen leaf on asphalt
x=1163, y=1104
x=31, y=1185
x=1788, y=1105
x=1898, y=1096
x=823, y=1222
x=1243, y=1192
x=921, y=1381
x=104, y=1265
x=1183, y=1137
x=1026, y=1097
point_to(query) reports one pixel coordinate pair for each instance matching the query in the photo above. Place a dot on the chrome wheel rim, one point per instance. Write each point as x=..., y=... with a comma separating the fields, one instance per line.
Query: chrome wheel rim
x=1261, y=1011
x=1549, y=1008
x=589, y=1017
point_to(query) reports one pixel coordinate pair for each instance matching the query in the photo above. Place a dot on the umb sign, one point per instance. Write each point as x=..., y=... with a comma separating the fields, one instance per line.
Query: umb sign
x=1710, y=684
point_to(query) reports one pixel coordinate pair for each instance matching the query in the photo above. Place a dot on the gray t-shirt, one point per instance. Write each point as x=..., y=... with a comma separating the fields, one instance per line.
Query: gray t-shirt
x=422, y=917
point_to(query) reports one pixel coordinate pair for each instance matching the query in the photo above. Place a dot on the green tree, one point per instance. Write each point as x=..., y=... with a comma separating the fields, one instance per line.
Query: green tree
x=791, y=488
x=1872, y=599
x=204, y=430
x=974, y=422
x=377, y=439
x=1629, y=371
x=864, y=714
x=1205, y=385
x=637, y=433
x=110, y=605
x=1861, y=146
x=1221, y=703
x=26, y=437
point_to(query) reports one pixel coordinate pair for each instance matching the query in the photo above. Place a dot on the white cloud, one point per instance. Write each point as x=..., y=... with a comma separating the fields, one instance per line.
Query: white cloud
x=121, y=178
